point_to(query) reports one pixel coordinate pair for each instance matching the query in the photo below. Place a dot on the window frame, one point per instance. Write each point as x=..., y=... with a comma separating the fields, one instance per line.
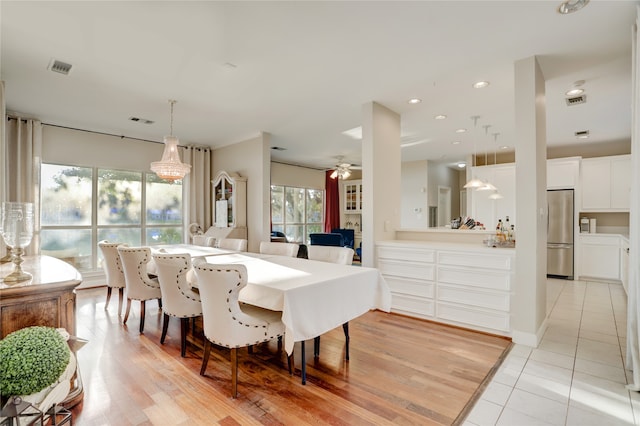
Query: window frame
x=305, y=224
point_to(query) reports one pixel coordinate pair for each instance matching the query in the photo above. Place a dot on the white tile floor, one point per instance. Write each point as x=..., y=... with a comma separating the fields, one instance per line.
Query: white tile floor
x=576, y=376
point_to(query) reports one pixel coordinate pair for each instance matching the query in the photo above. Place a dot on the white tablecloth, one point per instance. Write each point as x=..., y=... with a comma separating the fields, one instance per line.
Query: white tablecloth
x=192, y=250
x=314, y=297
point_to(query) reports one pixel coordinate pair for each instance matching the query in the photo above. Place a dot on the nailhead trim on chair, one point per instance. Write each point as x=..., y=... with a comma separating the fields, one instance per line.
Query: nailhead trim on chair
x=118, y=264
x=179, y=288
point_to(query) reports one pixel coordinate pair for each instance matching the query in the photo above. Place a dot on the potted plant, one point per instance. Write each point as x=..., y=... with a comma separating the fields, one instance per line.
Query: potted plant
x=36, y=364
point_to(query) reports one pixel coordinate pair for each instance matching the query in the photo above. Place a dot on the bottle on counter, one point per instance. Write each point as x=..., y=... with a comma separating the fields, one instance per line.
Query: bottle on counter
x=512, y=234
x=507, y=229
x=499, y=231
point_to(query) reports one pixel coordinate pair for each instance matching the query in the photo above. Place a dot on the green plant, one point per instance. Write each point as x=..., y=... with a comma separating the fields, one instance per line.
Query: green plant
x=31, y=359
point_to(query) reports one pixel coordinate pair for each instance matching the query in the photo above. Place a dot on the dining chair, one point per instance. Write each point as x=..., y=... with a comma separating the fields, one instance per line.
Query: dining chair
x=203, y=240
x=237, y=244
x=228, y=323
x=180, y=300
x=280, y=249
x=139, y=285
x=341, y=256
x=113, y=271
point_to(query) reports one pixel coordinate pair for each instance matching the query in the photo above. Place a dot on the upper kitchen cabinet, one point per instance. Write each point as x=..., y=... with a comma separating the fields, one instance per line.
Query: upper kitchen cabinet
x=606, y=183
x=352, y=196
x=563, y=173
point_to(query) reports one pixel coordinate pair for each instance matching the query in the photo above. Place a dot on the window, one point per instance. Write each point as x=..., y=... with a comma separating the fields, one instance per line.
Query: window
x=297, y=212
x=83, y=205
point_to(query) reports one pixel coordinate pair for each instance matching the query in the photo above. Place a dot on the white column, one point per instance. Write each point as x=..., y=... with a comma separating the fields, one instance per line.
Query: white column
x=381, y=177
x=529, y=300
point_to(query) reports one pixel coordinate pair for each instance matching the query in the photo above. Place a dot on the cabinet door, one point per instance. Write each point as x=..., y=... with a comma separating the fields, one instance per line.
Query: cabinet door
x=562, y=174
x=504, y=178
x=600, y=257
x=596, y=184
x=620, y=182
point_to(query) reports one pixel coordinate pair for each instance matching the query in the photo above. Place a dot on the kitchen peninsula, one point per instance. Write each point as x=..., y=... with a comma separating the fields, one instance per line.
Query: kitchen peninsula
x=449, y=276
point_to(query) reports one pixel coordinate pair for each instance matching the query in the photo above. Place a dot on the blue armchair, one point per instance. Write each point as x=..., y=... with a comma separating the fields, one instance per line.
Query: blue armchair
x=348, y=236
x=326, y=239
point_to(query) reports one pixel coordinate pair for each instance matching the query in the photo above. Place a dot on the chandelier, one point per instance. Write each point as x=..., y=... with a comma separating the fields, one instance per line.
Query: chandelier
x=170, y=167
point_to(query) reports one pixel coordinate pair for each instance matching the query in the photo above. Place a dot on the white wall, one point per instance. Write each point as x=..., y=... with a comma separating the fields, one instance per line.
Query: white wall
x=414, y=213
x=251, y=159
x=301, y=177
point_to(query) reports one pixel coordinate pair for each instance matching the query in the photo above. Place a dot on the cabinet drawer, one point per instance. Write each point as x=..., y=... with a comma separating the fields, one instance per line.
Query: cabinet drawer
x=473, y=297
x=410, y=287
x=494, y=280
x=415, y=305
x=405, y=253
x=407, y=269
x=498, y=321
x=475, y=260
x=603, y=240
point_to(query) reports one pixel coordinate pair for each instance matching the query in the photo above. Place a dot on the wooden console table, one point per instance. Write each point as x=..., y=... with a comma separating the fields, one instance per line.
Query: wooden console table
x=47, y=299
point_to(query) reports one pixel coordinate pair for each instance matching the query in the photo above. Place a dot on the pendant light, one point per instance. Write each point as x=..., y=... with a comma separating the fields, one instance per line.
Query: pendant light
x=486, y=185
x=496, y=195
x=170, y=167
x=474, y=182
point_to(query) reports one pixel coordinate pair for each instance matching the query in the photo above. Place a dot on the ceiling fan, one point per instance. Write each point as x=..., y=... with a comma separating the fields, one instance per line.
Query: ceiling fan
x=342, y=169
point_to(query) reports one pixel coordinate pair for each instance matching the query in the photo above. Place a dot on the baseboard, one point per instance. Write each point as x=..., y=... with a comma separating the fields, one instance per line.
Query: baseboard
x=529, y=339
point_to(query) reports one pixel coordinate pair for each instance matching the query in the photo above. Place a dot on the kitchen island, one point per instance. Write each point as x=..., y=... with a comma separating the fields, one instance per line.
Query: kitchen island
x=466, y=284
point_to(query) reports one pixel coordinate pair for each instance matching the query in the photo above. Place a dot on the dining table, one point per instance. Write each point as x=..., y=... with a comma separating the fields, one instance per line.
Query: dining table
x=314, y=297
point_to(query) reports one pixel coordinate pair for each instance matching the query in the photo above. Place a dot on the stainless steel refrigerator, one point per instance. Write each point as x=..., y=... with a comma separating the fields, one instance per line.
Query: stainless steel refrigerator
x=560, y=229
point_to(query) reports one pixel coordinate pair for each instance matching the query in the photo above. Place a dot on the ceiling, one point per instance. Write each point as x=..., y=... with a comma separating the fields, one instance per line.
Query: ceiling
x=301, y=71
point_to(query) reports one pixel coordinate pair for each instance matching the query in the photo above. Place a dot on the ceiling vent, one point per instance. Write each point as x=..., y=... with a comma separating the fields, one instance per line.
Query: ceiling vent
x=575, y=100
x=582, y=134
x=141, y=120
x=59, y=67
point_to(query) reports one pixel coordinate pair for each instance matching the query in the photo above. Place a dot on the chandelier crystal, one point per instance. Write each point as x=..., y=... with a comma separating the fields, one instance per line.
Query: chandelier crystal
x=170, y=167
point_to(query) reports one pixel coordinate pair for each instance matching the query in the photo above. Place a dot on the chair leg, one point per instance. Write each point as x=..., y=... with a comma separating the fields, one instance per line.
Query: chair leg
x=121, y=296
x=184, y=328
x=106, y=304
x=205, y=357
x=345, y=327
x=250, y=349
x=143, y=304
x=165, y=326
x=316, y=346
x=234, y=372
x=126, y=314
x=303, y=367
x=160, y=303
x=290, y=364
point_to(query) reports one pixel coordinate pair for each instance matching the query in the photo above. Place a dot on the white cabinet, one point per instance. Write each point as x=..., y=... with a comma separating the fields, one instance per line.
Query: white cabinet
x=229, y=195
x=599, y=256
x=563, y=173
x=457, y=284
x=352, y=191
x=624, y=264
x=487, y=210
x=606, y=183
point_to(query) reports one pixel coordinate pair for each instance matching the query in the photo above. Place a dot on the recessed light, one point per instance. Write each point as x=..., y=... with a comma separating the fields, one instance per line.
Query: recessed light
x=461, y=130
x=480, y=84
x=440, y=117
x=462, y=165
x=504, y=147
x=574, y=92
x=455, y=143
x=414, y=101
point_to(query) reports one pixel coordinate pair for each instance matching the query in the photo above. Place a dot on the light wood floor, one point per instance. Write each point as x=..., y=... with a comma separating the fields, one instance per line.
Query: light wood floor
x=401, y=371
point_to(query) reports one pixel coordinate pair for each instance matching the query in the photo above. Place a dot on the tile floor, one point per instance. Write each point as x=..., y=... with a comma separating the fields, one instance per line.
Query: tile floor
x=576, y=376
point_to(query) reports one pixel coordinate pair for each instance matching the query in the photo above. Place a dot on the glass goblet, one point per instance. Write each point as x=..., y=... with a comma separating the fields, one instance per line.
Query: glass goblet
x=17, y=231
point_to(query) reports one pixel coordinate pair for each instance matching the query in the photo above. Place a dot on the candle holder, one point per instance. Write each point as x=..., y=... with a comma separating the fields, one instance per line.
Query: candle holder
x=17, y=231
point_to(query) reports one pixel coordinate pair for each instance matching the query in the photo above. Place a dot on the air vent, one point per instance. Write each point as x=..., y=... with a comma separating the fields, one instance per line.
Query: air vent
x=575, y=100
x=141, y=120
x=59, y=67
x=582, y=134
x=278, y=148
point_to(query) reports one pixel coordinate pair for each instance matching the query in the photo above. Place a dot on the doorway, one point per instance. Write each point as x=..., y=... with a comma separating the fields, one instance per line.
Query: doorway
x=444, y=205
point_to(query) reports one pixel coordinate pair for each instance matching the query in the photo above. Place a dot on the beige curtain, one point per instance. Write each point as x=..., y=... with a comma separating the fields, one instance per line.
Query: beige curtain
x=198, y=187
x=23, y=158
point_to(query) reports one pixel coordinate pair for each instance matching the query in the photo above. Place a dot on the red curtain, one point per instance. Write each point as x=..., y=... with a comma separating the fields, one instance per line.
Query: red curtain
x=331, y=202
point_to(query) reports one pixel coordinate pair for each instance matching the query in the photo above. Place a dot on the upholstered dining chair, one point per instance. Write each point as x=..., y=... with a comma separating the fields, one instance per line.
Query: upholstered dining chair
x=179, y=300
x=139, y=285
x=280, y=249
x=339, y=255
x=113, y=271
x=227, y=322
x=237, y=244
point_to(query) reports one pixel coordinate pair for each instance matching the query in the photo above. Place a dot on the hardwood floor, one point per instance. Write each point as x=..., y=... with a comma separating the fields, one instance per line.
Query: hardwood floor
x=401, y=371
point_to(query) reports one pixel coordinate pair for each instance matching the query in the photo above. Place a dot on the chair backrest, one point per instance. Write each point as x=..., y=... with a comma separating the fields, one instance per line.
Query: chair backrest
x=280, y=249
x=177, y=297
x=348, y=236
x=223, y=321
x=237, y=244
x=111, y=264
x=134, y=264
x=341, y=255
x=326, y=239
x=203, y=240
